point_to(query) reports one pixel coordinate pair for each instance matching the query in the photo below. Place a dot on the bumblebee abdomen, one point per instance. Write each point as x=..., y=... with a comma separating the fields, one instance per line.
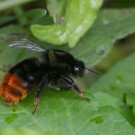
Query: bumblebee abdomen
x=13, y=88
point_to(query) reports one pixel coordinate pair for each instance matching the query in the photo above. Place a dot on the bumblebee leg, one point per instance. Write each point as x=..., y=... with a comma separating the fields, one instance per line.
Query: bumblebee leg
x=70, y=83
x=40, y=87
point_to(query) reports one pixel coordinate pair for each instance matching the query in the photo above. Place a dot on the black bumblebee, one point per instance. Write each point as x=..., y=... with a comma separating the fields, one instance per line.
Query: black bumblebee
x=54, y=69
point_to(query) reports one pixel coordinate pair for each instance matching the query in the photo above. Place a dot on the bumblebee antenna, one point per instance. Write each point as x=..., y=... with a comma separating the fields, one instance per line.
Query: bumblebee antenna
x=92, y=71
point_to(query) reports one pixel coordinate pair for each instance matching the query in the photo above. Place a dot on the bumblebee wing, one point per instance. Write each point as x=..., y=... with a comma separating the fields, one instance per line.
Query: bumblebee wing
x=22, y=41
x=28, y=45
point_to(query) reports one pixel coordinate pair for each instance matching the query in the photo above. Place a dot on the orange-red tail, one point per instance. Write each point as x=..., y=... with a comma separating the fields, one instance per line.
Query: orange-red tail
x=13, y=89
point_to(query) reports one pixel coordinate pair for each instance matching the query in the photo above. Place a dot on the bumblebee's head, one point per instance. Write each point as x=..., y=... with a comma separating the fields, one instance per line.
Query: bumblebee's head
x=78, y=68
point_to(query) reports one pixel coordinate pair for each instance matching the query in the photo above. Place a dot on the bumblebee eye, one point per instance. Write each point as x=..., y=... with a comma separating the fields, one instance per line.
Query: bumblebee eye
x=76, y=68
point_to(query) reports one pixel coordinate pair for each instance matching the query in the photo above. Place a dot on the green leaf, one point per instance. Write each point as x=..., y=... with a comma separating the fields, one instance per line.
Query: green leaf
x=23, y=131
x=65, y=114
x=130, y=99
x=31, y=16
x=106, y=99
x=5, y=19
x=110, y=26
x=34, y=13
x=79, y=16
x=56, y=9
x=119, y=80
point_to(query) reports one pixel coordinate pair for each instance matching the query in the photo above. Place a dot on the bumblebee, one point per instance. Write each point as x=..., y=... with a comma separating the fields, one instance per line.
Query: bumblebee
x=55, y=69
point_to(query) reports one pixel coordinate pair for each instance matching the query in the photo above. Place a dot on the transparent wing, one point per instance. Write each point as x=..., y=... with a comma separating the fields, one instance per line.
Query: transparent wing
x=21, y=41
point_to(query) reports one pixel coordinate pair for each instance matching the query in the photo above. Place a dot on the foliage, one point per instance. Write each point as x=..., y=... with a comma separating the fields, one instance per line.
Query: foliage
x=78, y=17
x=112, y=107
